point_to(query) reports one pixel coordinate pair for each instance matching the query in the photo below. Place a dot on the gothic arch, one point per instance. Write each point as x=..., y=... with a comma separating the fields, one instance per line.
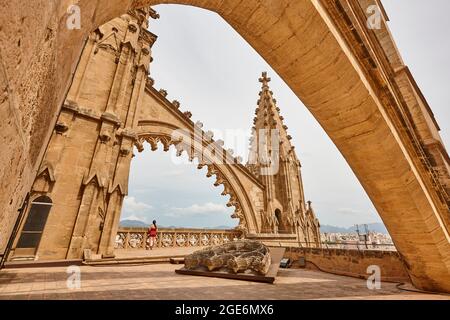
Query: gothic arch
x=159, y=132
x=352, y=79
x=355, y=84
x=358, y=89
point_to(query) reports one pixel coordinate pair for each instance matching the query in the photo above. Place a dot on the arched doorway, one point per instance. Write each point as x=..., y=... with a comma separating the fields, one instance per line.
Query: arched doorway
x=34, y=226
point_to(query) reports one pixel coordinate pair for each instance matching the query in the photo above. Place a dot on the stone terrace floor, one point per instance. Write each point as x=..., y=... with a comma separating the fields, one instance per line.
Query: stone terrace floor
x=159, y=281
x=156, y=252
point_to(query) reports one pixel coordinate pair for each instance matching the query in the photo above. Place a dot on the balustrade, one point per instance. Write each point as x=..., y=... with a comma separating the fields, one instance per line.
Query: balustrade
x=136, y=238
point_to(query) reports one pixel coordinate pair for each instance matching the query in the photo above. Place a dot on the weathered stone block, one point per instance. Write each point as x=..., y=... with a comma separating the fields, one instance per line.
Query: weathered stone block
x=236, y=257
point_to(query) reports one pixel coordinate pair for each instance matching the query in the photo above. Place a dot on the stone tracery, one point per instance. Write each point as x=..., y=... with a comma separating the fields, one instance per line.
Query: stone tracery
x=212, y=169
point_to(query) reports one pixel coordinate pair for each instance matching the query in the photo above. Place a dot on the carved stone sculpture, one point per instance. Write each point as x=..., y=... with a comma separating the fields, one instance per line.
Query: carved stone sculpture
x=234, y=257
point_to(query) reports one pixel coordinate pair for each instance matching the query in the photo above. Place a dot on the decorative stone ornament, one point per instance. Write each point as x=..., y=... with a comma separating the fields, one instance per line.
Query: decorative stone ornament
x=176, y=104
x=163, y=92
x=234, y=257
x=187, y=114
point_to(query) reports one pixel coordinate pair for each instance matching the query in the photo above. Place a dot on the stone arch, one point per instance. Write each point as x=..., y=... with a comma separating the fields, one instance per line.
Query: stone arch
x=353, y=81
x=225, y=174
x=355, y=84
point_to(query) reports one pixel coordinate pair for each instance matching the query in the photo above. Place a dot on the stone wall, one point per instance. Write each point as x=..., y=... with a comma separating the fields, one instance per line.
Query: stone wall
x=28, y=99
x=351, y=263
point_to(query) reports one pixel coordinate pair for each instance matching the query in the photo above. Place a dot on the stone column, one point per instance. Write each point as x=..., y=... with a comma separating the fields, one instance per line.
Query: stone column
x=106, y=247
x=88, y=202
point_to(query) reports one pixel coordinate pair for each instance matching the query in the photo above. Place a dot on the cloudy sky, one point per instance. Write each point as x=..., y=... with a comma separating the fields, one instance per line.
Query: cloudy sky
x=213, y=72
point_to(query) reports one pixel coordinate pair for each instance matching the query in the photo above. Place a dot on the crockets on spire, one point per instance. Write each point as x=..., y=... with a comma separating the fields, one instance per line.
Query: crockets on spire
x=269, y=134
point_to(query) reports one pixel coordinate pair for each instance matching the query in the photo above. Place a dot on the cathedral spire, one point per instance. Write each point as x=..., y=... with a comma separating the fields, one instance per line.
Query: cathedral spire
x=269, y=133
x=273, y=160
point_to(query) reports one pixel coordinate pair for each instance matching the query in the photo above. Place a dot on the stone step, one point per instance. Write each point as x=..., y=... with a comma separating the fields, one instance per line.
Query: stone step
x=42, y=263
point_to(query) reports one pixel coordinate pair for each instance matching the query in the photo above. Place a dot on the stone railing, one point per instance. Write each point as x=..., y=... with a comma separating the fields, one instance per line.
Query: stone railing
x=136, y=238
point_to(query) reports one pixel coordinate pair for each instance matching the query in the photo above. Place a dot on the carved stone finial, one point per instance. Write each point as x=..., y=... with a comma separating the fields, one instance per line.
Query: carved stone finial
x=187, y=114
x=163, y=92
x=150, y=81
x=220, y=142
x=176, y=104
x=209, y=135
x=265, y=80
x=199, y=124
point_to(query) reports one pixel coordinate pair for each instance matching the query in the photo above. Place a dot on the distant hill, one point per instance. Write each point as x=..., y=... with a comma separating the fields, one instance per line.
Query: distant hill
x=141, y=224
x=375, y=227
x=221, y=228
x=133, y=224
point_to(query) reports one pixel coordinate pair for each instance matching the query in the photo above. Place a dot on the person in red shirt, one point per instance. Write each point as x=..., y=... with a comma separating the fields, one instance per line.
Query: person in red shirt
x=152, y=232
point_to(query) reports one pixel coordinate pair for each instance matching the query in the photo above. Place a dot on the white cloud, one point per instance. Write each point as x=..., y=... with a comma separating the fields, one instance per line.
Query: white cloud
x=196, y=209
x=132, y=206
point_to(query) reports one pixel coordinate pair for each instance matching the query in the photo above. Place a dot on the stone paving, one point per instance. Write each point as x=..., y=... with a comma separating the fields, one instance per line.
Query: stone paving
x=159, y=281
x=156, y=252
